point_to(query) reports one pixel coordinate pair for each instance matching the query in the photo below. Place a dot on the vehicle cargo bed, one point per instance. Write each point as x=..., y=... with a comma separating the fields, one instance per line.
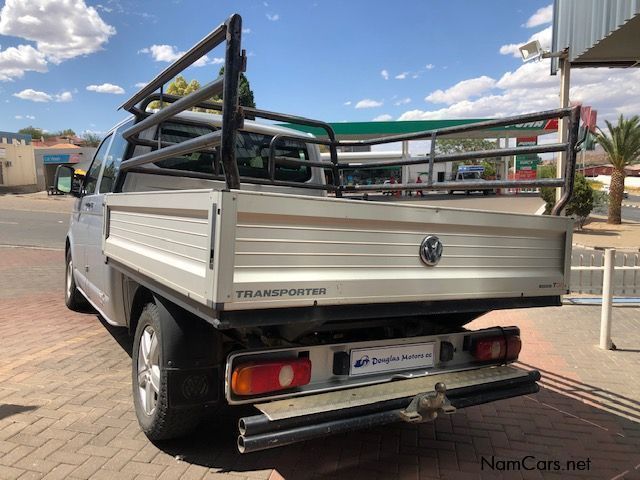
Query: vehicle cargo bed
x=236, y=250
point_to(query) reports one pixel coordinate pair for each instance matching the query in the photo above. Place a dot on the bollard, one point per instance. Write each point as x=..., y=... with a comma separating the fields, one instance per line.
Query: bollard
x=607, y=298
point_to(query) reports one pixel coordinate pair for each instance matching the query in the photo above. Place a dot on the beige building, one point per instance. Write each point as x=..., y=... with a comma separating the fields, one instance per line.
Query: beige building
x=17, y=163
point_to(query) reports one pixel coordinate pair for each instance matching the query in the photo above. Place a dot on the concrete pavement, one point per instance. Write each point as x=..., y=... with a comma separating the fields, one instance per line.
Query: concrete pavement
x=66, y=408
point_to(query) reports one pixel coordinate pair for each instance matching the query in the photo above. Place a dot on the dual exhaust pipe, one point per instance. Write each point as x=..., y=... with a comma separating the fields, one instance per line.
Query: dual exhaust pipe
x=258, y=432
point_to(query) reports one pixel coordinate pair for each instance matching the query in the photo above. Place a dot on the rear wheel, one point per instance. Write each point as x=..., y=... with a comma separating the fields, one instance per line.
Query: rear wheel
x=73, y=299
x=151, y=390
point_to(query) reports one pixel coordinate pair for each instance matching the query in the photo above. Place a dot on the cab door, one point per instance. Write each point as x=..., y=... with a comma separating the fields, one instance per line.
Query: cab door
x=102, y=280
x=83, y=216
x=89, y=218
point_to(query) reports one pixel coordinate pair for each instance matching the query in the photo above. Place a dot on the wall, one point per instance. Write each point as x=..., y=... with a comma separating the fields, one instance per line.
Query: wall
x=18, y=165
x=46, y=172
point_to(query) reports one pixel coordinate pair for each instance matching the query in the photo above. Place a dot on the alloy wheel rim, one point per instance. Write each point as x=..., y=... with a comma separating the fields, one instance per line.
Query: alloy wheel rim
x=69, y=277
x=149, y=370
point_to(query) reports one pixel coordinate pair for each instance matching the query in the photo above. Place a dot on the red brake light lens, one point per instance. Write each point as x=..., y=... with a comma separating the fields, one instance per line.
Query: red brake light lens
x=256, y=378
x=497, y=348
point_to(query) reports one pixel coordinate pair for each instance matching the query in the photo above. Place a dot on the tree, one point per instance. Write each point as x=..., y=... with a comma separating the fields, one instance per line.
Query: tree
x=245, y=94
x=180, y=87
x=67, y=132
x=36, y=133
x=622, y=145
x=548, y=194
x=91, y=139
x=581, y=202
x=460, y=145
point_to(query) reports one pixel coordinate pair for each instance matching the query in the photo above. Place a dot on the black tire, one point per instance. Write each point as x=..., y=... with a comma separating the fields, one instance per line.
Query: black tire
x=163, y=422
x=73, y=299
x=485, y=192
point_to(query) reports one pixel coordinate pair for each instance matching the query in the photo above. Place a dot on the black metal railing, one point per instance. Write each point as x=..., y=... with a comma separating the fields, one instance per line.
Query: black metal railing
x=233, y=116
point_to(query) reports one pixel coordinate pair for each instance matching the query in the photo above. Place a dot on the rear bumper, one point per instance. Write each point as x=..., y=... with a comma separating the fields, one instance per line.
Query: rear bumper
x=306, y=421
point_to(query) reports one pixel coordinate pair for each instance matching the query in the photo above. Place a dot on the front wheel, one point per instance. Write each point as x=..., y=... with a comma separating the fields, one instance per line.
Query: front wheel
x=73, y=299
x=151, y=390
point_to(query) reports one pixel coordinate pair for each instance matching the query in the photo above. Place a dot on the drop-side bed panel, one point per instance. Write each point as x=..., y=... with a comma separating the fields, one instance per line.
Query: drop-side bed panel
x=165, y=236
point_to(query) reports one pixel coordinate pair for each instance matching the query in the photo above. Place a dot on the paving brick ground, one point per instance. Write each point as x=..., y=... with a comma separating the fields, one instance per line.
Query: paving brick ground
x=66, y=409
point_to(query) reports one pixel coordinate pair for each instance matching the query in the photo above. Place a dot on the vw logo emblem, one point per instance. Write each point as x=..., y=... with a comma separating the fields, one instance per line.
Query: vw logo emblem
x=431, y=250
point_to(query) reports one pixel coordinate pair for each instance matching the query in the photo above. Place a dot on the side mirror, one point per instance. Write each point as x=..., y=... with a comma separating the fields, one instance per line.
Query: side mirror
x=67, y=181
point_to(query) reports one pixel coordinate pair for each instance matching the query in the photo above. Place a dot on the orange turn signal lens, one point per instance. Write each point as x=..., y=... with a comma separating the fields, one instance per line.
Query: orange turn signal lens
x=256, y=378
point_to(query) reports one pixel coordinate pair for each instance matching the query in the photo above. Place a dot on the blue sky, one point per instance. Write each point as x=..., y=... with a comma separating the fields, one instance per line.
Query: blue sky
x=318, y=58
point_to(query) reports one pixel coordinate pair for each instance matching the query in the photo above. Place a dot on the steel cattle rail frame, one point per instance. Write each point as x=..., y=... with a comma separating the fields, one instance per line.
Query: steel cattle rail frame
x=233, y=119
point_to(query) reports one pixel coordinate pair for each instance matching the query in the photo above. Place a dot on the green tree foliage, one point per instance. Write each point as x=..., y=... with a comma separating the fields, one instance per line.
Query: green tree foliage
x=67, y=132
x=91, y=139
x=38, y=133
x=181, y=87
x=622, y=144
x=582, y=201
x=245, y=94
x=548, y=194
x=459, y=145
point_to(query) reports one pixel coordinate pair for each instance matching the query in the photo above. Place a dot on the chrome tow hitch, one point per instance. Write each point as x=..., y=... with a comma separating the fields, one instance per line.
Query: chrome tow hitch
x=425, y=406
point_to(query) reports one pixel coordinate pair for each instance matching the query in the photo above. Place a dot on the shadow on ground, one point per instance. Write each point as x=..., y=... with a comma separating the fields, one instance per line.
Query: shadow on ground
x=7, y=409
x=567, y=420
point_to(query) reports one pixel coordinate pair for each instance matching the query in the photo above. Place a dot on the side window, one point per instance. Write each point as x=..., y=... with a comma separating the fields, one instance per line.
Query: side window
x=114, y=159
x=92, y=175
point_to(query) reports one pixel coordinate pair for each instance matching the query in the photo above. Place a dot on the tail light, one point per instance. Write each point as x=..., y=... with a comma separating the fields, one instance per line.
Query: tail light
x=257, y=378
x=503, y=347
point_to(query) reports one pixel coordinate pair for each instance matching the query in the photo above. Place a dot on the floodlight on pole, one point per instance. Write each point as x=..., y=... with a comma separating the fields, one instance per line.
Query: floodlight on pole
x=533, y=51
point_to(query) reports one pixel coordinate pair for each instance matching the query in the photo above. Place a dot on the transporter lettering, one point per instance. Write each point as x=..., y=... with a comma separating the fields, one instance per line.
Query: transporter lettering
x=281, y=292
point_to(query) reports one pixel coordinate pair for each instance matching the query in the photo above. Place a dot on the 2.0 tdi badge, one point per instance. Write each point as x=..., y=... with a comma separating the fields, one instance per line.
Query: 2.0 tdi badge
x=431, y=250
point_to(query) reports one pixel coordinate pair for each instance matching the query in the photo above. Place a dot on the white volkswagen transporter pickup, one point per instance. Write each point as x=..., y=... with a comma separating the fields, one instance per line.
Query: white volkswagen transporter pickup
x=247, y=278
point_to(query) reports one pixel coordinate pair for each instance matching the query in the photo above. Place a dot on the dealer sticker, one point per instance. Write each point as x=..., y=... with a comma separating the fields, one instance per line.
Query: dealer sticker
x=365, y=361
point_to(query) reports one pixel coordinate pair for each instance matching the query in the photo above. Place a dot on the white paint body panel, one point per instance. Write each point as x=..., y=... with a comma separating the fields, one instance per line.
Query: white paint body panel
x=329, y=251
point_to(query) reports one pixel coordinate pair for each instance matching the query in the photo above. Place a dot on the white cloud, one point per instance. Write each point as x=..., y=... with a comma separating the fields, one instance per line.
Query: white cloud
x=385, y=74
x=33, y=95
x=542, y=16
x=461, y=90
x=25, y=117
x=368, y=103
x=43, y=97
x=64, y=97
x=543, y=36
x=385, y=117
x=273, y=17
x=401, y=76
x=140, y=84
x=246, y=30
x=429, y=66
x=530, y=88
x=14, y=61
x=169, y=53
x=106, y=88
x=61, y=29
x=402, y=101
x=347, y=103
